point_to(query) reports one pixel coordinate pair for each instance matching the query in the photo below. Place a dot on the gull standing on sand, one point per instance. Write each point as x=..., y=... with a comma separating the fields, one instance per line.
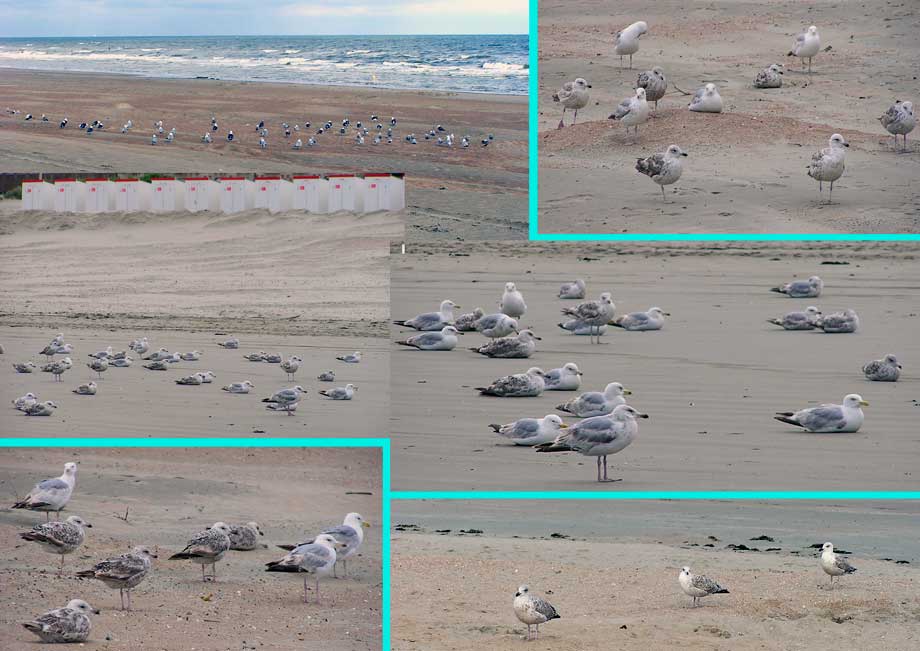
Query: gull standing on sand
x=286, y=399
x=520, y=385
x=663, y=168
x=519, y=347
x=886, y=369
x=239, y=387
x=124, y=572
x=346, y=392
x=807, y=320
x=698, y=586
x=632, y=111
x=317, y=558
x=593, y=313
x=706, y=100
x=88, y=389
x=512, y=302
x=23, y=402
x=62, y=625
x=532, y=611
x=581, y=328
x=349, y=534
x=828, y=164
x=654, y=83
x=626, y=41
x=598, y=437
x=496, y=325
x=41, y=409
x=832, y=564
x=245, y=537
x=467, y=322
x=565, y=378
x=653, y=319
x=140, y=346
x=572, y=95
x=845, y=418
x=806, y=46
x=290, y=366
x=840, y=322
x=51, y=494
x=432, y=321
x=899, y=120
x=597, y=403
x=206, y=548
x=574, y=289
x=57, y=369
x=444, y=340
x=810, y=288
x=99, y=365
x=531, y=431
x=353, y=358
x=59, y=537
x=769, y=77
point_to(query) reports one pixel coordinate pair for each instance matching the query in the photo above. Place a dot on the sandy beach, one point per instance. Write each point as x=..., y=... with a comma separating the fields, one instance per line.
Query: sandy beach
x=711, y=380
x=746, y=169
x=169, y=495
x=610, y=569
x=474, y=193
x=316, y=287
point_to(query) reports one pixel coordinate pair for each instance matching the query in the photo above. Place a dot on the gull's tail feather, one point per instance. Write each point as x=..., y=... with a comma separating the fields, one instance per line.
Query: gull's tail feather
x=784, y=418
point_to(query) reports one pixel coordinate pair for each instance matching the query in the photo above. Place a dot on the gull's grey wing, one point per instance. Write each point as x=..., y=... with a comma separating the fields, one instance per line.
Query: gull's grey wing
x=843, y=564
x=706, y=584
x=120, y=568
x=651, y=166
x=623, y=108
x=343, y=533
x=524, y=428
x=426, y=339
x=312, y=556
x=823, y=417
x=545, y=608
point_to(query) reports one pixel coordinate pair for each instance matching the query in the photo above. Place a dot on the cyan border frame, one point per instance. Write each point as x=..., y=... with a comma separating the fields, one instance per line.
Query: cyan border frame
x=533, y=187
x=222, y=442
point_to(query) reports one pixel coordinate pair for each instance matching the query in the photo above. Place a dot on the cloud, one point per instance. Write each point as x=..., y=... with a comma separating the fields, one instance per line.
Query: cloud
x=409, y=8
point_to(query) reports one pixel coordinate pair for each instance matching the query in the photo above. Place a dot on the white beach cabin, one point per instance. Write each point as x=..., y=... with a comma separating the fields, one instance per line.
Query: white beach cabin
x=131, y=195
x=68, y=195
x=236, y=194
x=346, y=192
x=311, y=193
x=273, y=193
x=167, y=194
x=37, y=195
x=100, y=195
x=201, y=193
x=384, y=192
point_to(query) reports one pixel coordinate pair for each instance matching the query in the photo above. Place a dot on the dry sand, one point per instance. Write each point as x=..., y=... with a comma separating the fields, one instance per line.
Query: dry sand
x=317, y=287
x=746, y=169
x=171, y=494
x=473, y=193
x=711, y=380
x=614, y=580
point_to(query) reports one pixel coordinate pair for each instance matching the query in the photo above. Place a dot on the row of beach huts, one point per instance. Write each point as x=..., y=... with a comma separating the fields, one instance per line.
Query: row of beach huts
x=321, y=194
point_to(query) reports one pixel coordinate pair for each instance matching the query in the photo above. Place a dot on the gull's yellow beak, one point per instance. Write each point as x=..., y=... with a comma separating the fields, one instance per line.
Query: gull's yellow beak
x=627, y=392
x=366, y=525
x=563, y=426
x=863, y=403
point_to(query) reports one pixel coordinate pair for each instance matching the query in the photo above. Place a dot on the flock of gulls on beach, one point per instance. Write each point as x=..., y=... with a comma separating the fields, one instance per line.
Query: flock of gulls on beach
x=284, y=400
x=375, y=132
x=665, y=168
x=315, y=557
x=533, y=610
x=608, y=424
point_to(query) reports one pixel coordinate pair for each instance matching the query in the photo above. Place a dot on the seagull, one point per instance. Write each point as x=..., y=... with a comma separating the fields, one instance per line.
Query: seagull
x=807, y=320
x=626, y=41
x=706, y=100
x=495, y=326
x=899, y=120
x=102, y=354
x=206, y=548
x=353, y=358
x=467, y=322
x=432, y=321
x=839, y=322
x=317, y=558
x=22, y=402
x=575, y=289
x=593, y=313
x=572, y=95
x=59, y=537
x=810, y=288
x=566, y=378
x=832, y=564
x=88, y=389
x=769, y=77
x=663, y=168
x=828, y=164
x=806, y=46
x=597, y=403
x=192, y=356
x=239, y=387
x=24, y=367
x=51, y=494
x=446, y=339
x=521, y=346
x=125, y=572
x=632, y=111
x=886, y=369
x=653, y=319
x=41, y=409
x=520, y=385
x=845, y=418
x=245, y=537
x=194, y=379
x=99, y=365
x=326, y=376
x=290, y=366
x=68, y=624
x=512, y=302
x=654, y=83
x=698, y=586
x=340, y=393
x=286, y=398
x=531, y=431
x=532, y=611
x=232, y=343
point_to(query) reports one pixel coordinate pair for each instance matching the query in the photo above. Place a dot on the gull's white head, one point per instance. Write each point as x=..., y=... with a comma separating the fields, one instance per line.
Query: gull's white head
x=674, y=151
x=328, y=541
x=448, y=305
x=555, y=421
x=144, y=552
x=658, y=71
x=812, y=30
x=80, y=522
x=606, y=297
x=70, y=469
x=223, y=527
x=909, y=106
x=449, y=330
x=685, y=571
x=625, y=412
x=854, y=401
x=811, y=310
x=299, y=389
x=838, y=141
x=891, y=359
x=509, y=287
x=355, y=521
x=775, y=68
x=827, y=547
x=641, y=27
x=658, y=313
x=255, y=525
x=535, y=371
x=581, y=84
x=522, y=590
x=351, y=386
x=616, y=389
x=572, y=368
x=82, y=606
x=640, y=93
x=710, y=89
x=527, y=335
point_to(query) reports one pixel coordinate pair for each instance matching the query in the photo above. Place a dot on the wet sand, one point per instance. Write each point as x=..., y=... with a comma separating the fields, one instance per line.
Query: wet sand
x=711, y=380
x=746, y=170
x=453, y=193
x=314, y=287
x=169, y=495
x=614, y=579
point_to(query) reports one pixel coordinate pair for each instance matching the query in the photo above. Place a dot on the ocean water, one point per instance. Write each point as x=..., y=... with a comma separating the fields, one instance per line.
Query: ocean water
x=479, y=64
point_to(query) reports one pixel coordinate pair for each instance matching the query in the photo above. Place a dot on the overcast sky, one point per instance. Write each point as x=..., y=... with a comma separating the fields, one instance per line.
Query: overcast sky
x=209, y=17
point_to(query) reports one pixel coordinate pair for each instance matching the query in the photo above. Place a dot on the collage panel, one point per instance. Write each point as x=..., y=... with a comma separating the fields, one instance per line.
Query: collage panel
x=634, y=575
x=677, y=367
x=185, y=548
x=727, y=117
